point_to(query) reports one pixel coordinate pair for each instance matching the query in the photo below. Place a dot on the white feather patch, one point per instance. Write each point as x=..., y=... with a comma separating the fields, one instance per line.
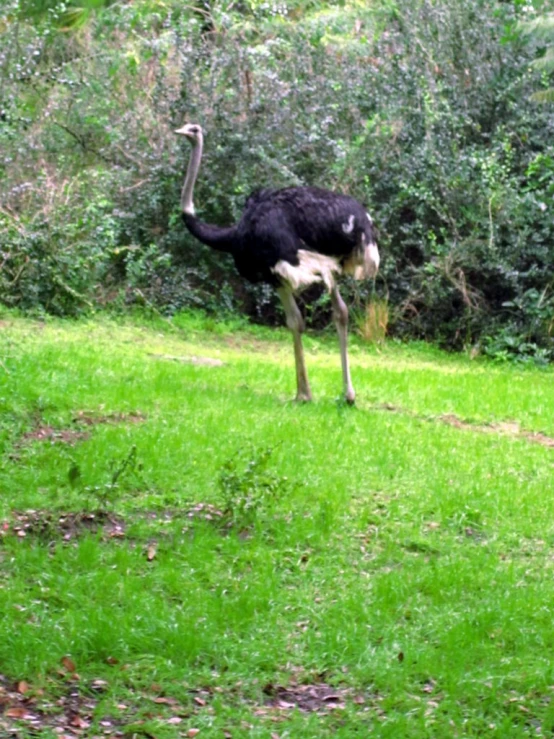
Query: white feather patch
x=349, y=226
x=364, y=263
x=374, y=257
x=313, y=268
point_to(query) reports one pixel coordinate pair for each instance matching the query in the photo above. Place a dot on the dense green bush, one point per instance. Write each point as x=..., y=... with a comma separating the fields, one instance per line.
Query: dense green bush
x=420, y=109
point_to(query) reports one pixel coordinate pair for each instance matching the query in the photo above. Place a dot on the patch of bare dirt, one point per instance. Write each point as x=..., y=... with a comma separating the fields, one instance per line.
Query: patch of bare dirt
x=199, y=512
x=71, y=436
x=191, y=359
x=205, y=512
x=508, y=428
x=538, y=438
x=90, y=418
x=66, y=708
x=25, y=710
x=48, y=433
x=252, y=344
x=310, y=698
x=44, y=524
x=66, y=526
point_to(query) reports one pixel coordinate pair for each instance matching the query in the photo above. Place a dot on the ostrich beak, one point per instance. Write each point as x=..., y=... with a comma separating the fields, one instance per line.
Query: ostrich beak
x=183, y=131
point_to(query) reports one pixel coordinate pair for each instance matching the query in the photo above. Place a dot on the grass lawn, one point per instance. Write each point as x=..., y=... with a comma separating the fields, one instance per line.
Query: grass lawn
x=184, y=551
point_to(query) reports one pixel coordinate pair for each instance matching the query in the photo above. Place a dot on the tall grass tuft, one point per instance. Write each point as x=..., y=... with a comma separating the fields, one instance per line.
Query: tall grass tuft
x=372, y=323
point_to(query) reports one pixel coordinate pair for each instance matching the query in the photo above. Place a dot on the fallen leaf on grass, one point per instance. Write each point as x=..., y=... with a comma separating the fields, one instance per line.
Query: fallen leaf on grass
x=151, y=552
x=286, y=705
x=79, y=722
x=174, y=720
x=193, y=732
x=165, y=701
x=68, y=663
x=22, y=687
x=16, y=712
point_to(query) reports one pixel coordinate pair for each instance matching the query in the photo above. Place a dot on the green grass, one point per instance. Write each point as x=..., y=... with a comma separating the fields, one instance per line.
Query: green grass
x=404, y=561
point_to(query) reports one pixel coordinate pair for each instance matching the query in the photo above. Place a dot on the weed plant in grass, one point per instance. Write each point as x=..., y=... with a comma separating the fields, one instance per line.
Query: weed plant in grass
x=392, y=562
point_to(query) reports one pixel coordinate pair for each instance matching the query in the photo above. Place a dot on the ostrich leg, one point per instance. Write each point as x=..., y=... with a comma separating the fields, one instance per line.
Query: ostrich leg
x=340, y=317
x=296, y=324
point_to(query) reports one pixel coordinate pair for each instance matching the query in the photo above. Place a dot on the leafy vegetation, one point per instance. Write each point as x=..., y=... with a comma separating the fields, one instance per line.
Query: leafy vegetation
x=260, y=567
x=542, y=27
x=422, y=110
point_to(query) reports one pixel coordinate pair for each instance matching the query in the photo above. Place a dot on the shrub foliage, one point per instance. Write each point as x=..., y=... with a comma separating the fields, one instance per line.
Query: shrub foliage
x=420, y=109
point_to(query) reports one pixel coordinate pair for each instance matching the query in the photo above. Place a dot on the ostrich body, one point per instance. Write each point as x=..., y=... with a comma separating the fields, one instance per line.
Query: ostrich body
x=292, y=238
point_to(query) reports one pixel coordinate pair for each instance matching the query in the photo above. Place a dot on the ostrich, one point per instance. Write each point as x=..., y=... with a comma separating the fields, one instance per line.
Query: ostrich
x=292, y=238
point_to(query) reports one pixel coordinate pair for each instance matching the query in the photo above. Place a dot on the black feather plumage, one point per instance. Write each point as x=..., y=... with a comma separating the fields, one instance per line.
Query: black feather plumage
x=276, y=224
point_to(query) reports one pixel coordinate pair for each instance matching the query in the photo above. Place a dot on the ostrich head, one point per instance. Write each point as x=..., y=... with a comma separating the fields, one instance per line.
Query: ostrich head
x=192, y=132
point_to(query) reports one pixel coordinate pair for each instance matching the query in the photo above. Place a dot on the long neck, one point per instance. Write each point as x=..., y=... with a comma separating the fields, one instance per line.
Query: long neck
x=187, y=206
x=222, y=239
